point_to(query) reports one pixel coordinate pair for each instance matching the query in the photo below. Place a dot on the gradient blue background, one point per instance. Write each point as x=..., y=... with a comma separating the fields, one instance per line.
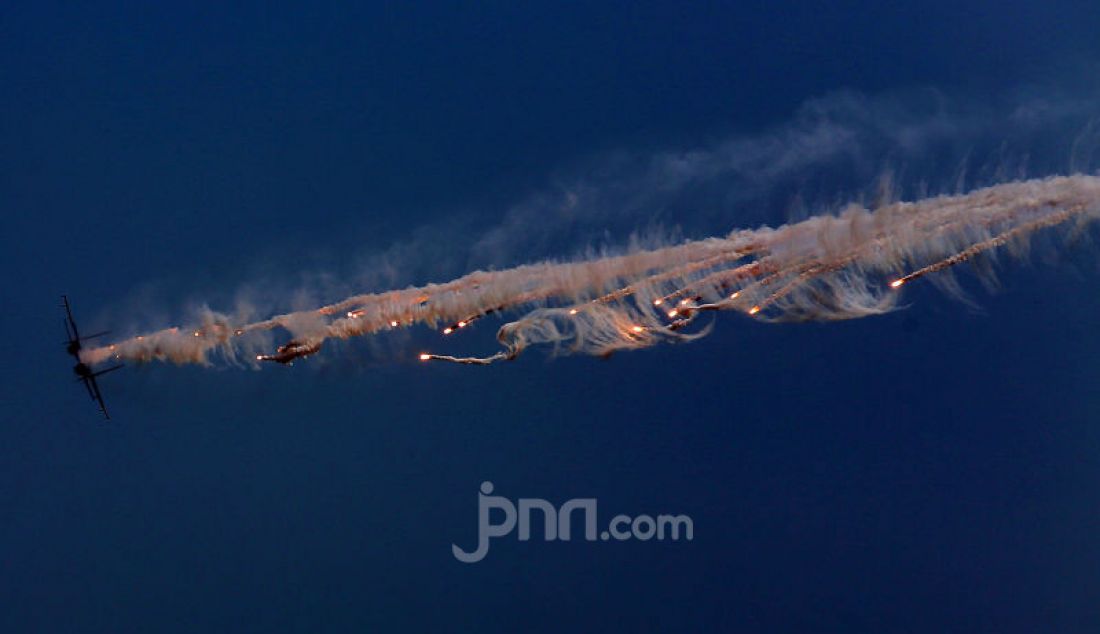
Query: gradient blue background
x=932, y=470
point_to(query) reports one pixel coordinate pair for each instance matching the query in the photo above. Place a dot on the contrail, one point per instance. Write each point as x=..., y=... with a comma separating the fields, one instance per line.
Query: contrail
x=828, y=267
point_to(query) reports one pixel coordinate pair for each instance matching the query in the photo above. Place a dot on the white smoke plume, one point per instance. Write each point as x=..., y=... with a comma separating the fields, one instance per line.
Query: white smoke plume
x=835, y=266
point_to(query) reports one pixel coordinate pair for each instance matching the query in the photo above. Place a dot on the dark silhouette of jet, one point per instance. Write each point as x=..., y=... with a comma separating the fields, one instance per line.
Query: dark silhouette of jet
x=290, y=351
x=81, y=369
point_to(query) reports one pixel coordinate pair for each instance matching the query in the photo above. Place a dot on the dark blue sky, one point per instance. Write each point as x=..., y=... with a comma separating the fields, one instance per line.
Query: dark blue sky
x=933, y=470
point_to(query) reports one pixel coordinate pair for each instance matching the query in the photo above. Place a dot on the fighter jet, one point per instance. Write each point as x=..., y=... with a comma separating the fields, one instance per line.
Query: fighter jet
x=81, y=370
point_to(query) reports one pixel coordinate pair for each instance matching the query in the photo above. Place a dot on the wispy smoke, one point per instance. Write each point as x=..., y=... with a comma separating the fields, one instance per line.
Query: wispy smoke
x=826, y=267
x=837, y=149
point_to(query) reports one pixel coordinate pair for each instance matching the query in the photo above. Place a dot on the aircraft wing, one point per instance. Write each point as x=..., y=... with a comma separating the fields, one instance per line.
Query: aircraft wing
x=88, y=386
x=93, y=388
x=69, y=313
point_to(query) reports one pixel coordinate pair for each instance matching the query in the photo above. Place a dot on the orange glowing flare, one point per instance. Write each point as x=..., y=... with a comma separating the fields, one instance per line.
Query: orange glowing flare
x=754, y=310
x=672, y=313
x=637, y=329
x=658, y=302
x=425, y=356
x=896, y=283
x=393, y=324
x=735, y=295
x=461, y=324
x=448, y=330
x=573, y=311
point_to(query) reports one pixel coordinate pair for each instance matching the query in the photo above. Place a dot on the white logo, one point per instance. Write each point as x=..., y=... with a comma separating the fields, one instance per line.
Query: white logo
x=556, y=523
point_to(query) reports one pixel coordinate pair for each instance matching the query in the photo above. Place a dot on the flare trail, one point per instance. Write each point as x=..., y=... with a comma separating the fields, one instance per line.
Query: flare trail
x=843, y=266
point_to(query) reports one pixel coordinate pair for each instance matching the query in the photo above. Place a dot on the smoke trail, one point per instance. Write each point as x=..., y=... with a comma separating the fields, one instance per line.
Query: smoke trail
x=829, y=267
